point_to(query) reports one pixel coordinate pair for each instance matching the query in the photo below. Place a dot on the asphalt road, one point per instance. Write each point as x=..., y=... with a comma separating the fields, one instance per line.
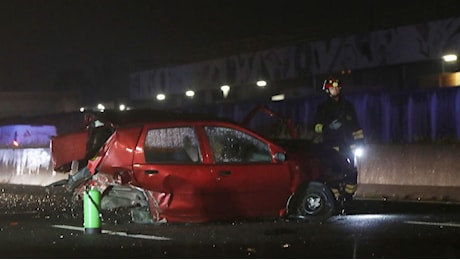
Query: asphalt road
x=39, y=223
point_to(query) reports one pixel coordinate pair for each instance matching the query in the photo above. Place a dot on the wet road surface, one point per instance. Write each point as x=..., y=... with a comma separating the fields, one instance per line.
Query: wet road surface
x=36, y=222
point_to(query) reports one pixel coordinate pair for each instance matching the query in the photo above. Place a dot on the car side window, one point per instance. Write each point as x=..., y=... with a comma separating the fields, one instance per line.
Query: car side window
x=233, y=146
x=172, y=145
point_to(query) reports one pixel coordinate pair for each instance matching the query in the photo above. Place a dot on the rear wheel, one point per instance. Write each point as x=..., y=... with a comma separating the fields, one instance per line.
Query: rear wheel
x=315, y=201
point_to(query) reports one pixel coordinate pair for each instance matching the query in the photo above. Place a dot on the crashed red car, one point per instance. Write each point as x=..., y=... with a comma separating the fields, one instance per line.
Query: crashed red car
x=185, y=169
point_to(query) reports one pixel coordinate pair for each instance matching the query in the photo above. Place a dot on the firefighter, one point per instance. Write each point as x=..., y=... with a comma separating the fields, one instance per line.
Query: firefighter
x=338, y=132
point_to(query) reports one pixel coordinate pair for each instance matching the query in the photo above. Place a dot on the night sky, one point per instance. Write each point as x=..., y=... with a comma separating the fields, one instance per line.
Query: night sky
x=71, y=45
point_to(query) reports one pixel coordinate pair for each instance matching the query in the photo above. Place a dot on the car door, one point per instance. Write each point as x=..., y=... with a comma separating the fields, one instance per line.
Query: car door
x=171, y=163
x=244, y=168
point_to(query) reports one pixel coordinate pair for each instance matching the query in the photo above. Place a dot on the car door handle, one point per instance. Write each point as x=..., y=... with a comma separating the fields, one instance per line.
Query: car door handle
x=151, y=172
x=224, y=173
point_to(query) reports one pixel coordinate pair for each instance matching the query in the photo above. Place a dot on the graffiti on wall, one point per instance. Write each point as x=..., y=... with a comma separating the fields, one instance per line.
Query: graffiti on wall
x=387, y=47
x=395, y=46
x=274, y=64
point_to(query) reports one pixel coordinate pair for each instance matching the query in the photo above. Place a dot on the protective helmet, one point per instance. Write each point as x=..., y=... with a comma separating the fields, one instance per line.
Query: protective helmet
x=330, y=83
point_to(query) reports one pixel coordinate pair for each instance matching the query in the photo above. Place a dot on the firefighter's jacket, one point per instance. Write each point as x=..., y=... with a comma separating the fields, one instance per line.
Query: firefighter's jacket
x=336, y=124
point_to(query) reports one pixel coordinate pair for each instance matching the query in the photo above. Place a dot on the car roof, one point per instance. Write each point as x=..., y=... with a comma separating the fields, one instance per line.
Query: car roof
x=142, y=116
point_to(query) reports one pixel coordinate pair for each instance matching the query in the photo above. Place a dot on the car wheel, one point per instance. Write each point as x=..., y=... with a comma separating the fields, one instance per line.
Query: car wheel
x=315, y=201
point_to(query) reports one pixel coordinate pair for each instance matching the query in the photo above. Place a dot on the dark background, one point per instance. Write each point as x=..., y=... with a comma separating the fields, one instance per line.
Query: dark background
x=91, y=46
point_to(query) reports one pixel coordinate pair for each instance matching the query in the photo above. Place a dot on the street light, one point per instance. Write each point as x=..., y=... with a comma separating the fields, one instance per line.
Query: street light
x=100, y=107
x=161, y=97
x=261, y=83
x=225, y=90
x=278, y=97
x=448, y=58
x=190, y=93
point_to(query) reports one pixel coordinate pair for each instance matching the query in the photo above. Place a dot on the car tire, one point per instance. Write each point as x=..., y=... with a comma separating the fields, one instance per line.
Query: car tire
x=314, y=202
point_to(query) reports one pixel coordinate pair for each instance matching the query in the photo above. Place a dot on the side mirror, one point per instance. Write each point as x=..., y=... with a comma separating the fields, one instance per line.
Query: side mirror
x=280, y=157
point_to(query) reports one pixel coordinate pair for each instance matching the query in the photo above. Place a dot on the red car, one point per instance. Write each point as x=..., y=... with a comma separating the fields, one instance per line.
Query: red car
x=183, y=168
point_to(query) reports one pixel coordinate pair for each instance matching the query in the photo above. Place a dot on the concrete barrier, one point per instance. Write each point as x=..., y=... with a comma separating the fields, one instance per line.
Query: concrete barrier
x=424, y=172
x=28, y=166
x=420, y=172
